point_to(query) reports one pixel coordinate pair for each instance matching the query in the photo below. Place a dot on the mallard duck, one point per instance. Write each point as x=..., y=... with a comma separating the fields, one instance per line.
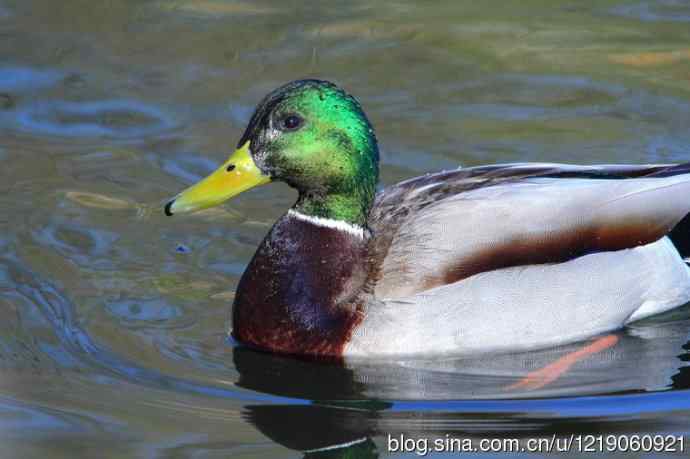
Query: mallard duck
x=482, y=259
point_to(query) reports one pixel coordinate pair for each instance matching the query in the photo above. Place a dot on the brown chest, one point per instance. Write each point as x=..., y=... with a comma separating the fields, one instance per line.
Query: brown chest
x=300, y=292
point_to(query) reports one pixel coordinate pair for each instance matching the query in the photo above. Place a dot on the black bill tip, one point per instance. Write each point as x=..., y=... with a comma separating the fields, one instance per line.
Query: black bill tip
x=168, y=211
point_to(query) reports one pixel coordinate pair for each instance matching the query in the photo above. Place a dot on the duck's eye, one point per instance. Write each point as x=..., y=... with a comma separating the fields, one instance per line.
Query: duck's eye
x=291, y=123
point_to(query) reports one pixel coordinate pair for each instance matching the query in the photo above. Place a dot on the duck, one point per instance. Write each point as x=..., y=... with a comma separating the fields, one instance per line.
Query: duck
x=495, y=258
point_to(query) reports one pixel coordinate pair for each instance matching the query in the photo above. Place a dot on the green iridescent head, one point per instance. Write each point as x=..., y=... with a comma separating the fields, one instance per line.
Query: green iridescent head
x=311, y=135
x=315, y=137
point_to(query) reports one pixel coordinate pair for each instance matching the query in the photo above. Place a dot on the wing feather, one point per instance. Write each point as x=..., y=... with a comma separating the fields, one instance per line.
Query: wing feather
x=442, y=228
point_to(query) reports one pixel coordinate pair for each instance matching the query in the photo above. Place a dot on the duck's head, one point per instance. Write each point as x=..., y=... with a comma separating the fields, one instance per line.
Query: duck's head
x=311, y=135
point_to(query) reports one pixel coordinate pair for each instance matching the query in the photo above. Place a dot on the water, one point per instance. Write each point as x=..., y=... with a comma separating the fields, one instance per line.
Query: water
x=113, y=339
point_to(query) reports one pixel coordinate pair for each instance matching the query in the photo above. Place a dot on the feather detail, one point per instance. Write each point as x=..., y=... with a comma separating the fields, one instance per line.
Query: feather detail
x=455, y=225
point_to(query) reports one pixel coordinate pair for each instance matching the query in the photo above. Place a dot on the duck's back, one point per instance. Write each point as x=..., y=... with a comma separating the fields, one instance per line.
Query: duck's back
x=438, y=229
x=523, y=256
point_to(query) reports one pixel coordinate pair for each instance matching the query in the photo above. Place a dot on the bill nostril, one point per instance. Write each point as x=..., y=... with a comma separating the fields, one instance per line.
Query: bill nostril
x=231, y=168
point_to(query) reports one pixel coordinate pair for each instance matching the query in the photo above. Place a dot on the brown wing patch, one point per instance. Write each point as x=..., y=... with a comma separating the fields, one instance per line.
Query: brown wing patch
x=556, y=247
x=399, y=204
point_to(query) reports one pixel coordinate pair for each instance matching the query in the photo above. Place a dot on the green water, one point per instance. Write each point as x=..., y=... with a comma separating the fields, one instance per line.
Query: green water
x=113, y=339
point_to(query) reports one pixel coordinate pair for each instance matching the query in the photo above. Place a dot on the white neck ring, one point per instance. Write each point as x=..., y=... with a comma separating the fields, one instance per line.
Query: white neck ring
x=339, y=225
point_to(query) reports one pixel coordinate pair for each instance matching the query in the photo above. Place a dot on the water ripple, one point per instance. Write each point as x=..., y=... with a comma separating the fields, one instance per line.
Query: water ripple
x=38, y=420
x=26, y=78
x=83, y=245
x=152, y=312
x=656, y=11
x=189, y=167
x=69, y=344
x=119, y=119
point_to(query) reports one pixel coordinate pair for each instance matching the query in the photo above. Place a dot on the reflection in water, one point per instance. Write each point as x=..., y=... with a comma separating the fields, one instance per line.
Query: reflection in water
x=313, y=428
x=358, y=400
x=662, y=342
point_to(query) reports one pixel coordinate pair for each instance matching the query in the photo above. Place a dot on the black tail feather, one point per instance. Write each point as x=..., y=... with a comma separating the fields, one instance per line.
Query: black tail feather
x=680, y=236
x=672, y=170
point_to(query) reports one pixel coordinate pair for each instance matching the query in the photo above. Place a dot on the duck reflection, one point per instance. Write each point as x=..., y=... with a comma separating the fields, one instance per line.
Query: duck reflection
x=334, y=423
x=351, y=404
x=317, y=430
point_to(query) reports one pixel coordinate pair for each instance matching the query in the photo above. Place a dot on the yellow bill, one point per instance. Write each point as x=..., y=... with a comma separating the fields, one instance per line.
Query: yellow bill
x=237, y=174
